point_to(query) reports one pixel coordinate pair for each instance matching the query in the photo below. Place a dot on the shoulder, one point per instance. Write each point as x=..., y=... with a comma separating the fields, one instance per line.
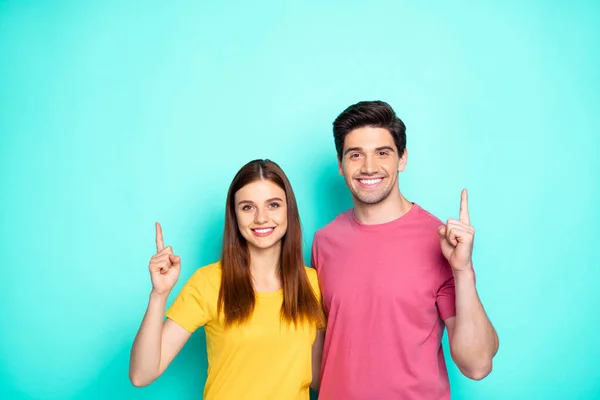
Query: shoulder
x=333, y=228
x=311, y=273
x=430, y=239
x=425, y=226
x=314, y=281
x=208, y=270
x=425, y=217
x=208, y=274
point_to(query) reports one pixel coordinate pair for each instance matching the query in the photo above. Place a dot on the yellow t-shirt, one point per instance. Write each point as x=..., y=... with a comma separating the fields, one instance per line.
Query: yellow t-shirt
x=262, y=359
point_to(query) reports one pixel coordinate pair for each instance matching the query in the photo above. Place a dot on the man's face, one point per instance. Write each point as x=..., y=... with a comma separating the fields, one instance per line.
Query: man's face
x=370, y=164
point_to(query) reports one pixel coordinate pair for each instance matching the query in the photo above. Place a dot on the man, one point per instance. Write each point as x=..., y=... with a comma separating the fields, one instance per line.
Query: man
x=393, y=276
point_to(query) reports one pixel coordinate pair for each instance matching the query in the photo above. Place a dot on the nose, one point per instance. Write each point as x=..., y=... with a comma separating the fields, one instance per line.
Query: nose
x=261, y=216
x=369, y=166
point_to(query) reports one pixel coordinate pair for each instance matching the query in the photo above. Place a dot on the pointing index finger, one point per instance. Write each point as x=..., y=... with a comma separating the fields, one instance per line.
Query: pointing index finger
x=160, y=244
x=464, y=207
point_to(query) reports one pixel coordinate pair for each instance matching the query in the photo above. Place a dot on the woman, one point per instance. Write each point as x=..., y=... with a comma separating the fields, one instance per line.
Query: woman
x=260, y=305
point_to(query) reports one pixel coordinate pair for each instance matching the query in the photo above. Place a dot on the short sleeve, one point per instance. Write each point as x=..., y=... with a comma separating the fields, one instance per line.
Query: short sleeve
x=445, y=298
x=314, y=283
x=189, y=309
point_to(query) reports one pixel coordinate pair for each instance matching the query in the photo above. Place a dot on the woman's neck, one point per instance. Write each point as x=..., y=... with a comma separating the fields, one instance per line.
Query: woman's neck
x=264, y=268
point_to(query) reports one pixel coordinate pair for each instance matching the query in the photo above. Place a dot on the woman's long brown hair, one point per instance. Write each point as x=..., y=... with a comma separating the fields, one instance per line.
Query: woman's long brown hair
x=236, y=295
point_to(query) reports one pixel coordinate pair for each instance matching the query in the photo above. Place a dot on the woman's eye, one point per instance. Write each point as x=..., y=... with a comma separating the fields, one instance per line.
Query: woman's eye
x=246, y=208
x=275, y=205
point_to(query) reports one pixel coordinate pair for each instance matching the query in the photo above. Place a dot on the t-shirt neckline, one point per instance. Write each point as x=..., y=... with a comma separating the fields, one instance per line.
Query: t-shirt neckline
x=385, y=225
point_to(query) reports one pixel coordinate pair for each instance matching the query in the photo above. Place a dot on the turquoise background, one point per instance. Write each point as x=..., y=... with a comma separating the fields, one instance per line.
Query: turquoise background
x=116, y=114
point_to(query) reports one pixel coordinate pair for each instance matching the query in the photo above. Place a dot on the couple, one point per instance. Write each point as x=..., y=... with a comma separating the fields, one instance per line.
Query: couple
x=365, y=323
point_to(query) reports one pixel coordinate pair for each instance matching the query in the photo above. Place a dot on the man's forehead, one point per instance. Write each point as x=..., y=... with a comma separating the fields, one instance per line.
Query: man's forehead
x=369, y=136
x=369, y=145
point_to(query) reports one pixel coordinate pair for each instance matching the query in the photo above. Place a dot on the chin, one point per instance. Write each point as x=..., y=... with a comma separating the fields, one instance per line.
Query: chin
x=264, y=245
x=371, y=198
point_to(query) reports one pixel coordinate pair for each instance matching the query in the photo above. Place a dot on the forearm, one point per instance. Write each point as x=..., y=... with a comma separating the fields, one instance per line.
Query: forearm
x=145, y=360
x=474, y=341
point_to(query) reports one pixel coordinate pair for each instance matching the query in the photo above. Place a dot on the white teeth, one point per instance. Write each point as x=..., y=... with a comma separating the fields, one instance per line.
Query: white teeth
x=370, y=181
x=263, y=230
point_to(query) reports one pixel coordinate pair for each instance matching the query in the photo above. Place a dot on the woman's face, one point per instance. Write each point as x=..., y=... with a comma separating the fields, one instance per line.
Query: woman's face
x=261, y=211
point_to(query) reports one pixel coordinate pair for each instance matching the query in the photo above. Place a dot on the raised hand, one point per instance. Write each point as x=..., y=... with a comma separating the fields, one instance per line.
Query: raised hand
x=164, y=266
x=457, y=238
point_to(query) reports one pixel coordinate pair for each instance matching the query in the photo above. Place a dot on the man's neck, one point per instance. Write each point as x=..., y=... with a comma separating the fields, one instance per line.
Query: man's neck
x=391, y=208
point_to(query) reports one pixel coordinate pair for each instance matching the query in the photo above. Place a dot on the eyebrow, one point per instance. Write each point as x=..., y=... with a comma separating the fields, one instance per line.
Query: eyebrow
x=273, y=199
x=267, y=201
x=352, y=149
x=389, y=148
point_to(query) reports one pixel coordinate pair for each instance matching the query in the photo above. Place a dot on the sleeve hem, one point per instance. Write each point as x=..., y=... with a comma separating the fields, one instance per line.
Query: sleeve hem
x=448, y=314
x=188, y=327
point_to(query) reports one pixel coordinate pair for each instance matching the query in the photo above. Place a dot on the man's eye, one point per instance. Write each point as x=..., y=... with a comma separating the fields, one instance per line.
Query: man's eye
x=355, y=155
x=383, y=153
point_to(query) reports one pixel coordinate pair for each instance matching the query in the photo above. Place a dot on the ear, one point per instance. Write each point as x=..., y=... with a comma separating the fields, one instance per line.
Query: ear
x=403, y=160
x=340, y=170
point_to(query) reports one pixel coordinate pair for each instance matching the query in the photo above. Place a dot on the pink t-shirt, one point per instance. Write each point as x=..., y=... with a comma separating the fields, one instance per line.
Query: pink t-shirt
x=386, y=290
